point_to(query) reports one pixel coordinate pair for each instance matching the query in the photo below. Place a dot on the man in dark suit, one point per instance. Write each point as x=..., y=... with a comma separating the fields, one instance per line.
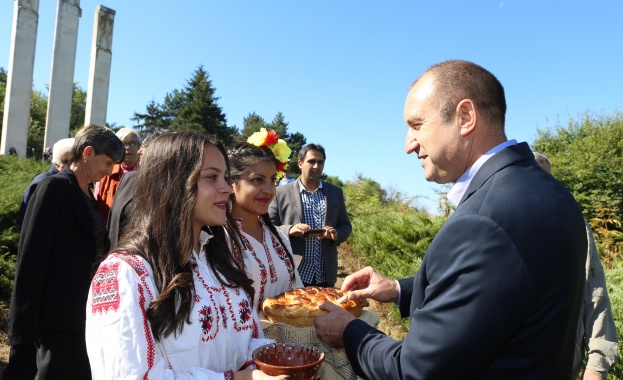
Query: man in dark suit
x=122, y=204
x=308, y=203
x=121, y=207
x=498, y=293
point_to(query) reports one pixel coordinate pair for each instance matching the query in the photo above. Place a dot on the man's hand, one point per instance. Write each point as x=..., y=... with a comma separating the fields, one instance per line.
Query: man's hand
x=330, y=327
x=298, y=230
x=590, y=375
x=329, y=233
x=368, y=283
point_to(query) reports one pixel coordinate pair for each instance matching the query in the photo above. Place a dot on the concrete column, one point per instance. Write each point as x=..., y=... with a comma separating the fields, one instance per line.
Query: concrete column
x=19, y=77
x=62, y=77
x=99, y=69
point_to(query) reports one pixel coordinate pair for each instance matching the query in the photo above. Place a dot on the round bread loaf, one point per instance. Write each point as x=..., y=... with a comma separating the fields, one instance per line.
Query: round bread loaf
x=300, y=306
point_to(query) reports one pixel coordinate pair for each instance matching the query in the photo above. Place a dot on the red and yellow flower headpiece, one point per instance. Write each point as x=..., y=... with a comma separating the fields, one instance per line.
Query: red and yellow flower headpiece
x=279, y=147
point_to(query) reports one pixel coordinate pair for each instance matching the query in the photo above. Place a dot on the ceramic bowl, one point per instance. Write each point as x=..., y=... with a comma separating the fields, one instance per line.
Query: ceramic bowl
x=301, y=361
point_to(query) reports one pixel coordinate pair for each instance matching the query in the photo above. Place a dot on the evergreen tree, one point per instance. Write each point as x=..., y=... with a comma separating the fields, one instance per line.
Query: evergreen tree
x=251, y=124
x=153, y=118
x=196, y=109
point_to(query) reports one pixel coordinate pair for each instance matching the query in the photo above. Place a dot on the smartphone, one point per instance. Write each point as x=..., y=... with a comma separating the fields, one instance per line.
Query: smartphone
x=314, y=233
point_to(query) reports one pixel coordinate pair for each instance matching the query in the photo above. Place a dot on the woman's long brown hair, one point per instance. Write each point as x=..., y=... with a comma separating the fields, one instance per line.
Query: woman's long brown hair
x=160, y=228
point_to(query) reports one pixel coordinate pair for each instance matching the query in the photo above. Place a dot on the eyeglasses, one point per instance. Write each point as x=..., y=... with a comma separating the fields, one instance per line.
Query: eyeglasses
x=130, y=144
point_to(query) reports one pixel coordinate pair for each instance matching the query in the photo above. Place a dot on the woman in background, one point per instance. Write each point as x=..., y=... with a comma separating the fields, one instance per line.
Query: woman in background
x=266, y=250
x=62, y=235
x=172, y=302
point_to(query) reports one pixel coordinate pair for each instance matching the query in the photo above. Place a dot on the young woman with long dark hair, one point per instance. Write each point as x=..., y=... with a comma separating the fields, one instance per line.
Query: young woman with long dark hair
x=172, y=302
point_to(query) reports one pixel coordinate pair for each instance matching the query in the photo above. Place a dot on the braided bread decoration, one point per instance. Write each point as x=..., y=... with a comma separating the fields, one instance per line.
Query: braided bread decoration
x=300, y=306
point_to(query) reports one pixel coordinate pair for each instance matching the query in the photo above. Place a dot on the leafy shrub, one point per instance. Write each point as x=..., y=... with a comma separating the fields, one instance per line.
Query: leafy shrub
x=7, y=274
x=614, y=279
x=15, y=175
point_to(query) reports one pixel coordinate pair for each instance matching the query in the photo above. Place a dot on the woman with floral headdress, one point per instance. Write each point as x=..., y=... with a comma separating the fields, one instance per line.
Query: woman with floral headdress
x=256, y=165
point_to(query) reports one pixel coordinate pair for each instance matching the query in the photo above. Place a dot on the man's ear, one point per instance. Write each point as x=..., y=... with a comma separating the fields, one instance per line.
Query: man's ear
x=466, y=116
x=300, y=164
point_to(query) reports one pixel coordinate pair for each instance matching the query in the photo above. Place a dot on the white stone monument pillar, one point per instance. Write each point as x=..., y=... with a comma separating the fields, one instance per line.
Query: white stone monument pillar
x=62, y=77
x=99, y=69
x=19, y=79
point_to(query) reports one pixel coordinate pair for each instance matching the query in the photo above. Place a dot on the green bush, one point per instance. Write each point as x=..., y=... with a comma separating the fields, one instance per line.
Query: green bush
x=15, y=175
x=614, y=280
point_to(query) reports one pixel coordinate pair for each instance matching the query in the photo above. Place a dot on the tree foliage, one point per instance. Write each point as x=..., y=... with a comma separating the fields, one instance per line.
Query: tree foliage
x=3, y=79
x=36, y=123
x=253, y=123
x=193, y=108
x=587, y=157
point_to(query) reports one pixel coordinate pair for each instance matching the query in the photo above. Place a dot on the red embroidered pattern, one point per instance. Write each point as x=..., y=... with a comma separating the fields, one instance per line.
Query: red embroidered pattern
x=206, y=320
x=105, y=289
x=244, y=311
x=151, y=349
x=240, y=319
x=229, y=375
x=263, y=271
x=269, y=257
x=141, y=271
x=281, y=252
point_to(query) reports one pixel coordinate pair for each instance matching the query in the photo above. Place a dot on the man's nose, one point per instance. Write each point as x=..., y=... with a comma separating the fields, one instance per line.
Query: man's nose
x=411, y=143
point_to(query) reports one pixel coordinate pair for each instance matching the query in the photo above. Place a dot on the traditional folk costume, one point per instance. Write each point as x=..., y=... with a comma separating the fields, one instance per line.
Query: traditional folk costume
x=267, y=264
x=222, y=334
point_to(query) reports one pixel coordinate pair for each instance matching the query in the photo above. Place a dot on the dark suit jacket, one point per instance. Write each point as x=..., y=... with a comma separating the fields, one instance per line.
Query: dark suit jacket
x=499, y=289
x=121, y=208
x=286, y=210
x=55, y=261
x=30, y=190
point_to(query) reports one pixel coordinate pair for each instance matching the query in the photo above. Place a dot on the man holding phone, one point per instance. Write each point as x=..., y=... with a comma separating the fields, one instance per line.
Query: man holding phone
x=313, y=214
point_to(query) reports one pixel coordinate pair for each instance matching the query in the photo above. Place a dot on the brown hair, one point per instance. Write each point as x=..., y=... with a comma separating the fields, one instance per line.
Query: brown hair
x=456, y=80
x=160, y=228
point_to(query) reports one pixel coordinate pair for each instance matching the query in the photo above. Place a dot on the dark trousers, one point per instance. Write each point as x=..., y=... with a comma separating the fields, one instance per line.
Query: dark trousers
x=62, y=355
x=22, y=363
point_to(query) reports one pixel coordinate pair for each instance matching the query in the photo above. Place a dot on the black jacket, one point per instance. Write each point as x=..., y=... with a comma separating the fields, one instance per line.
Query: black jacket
x=55, y=261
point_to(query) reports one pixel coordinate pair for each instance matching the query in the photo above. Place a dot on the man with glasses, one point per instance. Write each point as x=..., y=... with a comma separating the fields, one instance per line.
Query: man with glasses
x=106, y=189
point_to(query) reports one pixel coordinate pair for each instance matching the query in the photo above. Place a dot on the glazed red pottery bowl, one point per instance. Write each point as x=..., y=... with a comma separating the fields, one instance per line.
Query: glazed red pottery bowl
x=301, y=361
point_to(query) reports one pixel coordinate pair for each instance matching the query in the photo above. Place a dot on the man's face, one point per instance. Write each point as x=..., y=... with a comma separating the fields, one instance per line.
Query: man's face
x=312, y=165
x=131, y=150
x=434, y=141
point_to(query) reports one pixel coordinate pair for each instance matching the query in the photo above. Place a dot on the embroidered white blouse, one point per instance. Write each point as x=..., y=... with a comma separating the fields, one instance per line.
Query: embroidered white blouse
x=220, y=339
x=268, y=265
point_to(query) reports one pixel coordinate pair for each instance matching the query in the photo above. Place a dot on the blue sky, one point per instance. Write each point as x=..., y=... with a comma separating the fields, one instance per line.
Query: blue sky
x=339, y=70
